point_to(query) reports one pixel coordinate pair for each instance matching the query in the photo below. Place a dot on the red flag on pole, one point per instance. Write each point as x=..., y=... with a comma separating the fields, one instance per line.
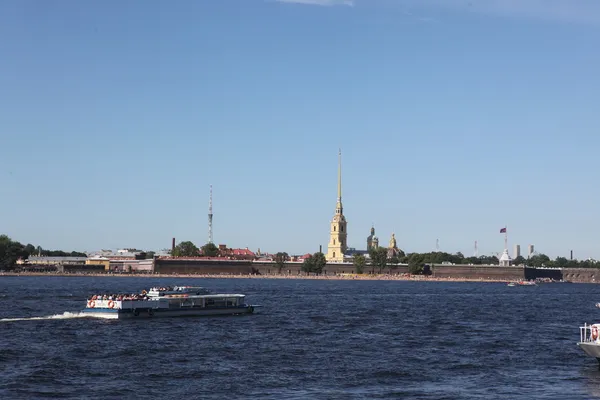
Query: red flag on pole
x=503, y=230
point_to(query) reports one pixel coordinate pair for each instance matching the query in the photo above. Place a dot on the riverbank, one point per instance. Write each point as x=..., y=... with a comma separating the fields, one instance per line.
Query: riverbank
x=366, y=277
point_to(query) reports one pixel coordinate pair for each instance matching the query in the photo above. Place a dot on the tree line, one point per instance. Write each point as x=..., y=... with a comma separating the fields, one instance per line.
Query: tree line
x=189, y=249
x=379, y=258
x=420, y=263
x=11, y=251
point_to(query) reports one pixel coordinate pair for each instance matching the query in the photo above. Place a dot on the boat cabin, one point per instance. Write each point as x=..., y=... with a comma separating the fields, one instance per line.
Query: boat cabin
x=206, y=301
x=177, y=291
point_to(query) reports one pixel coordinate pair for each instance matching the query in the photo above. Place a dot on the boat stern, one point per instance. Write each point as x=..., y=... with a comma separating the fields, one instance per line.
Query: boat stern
x=589, y=340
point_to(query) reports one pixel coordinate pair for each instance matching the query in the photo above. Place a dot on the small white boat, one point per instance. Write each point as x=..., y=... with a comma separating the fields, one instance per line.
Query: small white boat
x=526, y=283
x=522, y=283
x=167, y=302
x=589, y=340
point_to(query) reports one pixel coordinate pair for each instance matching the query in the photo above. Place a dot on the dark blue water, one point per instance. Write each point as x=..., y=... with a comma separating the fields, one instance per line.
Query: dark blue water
x=311, y=340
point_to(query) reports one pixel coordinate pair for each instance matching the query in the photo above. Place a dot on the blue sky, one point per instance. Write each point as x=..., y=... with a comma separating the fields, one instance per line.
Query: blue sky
x=455, y=118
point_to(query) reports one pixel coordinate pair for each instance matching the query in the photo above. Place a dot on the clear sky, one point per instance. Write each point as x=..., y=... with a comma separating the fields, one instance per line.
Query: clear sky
x=455, y=118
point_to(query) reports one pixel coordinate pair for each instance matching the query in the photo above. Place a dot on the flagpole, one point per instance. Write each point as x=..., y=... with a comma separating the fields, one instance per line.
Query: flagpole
x=505, y=238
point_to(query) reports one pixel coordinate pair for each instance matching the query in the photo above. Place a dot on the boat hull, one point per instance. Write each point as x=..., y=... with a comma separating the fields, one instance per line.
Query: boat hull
x=162, y=313
x=590, y=348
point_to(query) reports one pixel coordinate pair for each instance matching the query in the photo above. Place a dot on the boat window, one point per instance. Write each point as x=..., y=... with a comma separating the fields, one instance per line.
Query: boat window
x=216, y=302
x=231, y=302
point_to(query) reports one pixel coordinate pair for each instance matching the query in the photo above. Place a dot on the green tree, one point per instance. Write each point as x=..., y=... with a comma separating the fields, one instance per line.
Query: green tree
x=584, y=264
x=489, y=260
x=185, y=249
x=416, y=262
x=150, y=255
x=319, y=263
x=519, y=260
x=210, y=250
x=400, y=254
x=308, y=265
x=378, y=258
x=10, y=252
x=561, y=262
x=472, y=260
x=539, y=260
x=394, y=261
x=359, y=262
x=280, y=259
x=30, y=250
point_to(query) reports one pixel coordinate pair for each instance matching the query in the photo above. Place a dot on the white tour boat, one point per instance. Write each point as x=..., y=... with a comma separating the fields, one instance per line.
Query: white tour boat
x=589, y=339
x=167, y=302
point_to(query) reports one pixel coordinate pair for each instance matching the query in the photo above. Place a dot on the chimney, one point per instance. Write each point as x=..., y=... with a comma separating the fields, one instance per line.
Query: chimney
x=320, y=248
x=571, y=254
x=173, y=245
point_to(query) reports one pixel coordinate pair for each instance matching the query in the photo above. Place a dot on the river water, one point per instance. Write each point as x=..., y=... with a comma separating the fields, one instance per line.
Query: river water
x=312, y=339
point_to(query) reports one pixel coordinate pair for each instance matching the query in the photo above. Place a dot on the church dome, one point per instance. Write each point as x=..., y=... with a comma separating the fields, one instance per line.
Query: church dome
x=372, y=235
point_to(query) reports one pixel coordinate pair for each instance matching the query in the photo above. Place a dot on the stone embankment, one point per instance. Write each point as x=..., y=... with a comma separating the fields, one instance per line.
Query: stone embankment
x=365, y=277
x=291, y=270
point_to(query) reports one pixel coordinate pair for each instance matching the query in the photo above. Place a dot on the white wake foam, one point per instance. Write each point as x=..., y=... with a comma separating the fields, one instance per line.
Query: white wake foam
x=65, y=315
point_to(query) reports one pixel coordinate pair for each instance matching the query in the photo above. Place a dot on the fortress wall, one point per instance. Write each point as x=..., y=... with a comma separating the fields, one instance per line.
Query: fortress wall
x=89, y=268
x=478, y=271
x=534, y=273
x=171, y=266
x=189, y=266
x=585, y=275
x=295, y=268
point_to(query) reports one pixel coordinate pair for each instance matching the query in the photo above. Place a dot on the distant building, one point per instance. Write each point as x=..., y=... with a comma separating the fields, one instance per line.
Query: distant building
x=303, y=257
x=121, y=254
x=337, y=234
x=517, y=251
x=132, y=266
x=56, y=260
x=104, y=261
x=372, y=240
x=530, y=250
x=236, y=254
x=505, y=259
x=351, y=252
x=393, y=250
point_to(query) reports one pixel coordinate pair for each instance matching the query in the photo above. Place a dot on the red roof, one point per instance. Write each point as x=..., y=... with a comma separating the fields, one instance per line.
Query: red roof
x=242, y=252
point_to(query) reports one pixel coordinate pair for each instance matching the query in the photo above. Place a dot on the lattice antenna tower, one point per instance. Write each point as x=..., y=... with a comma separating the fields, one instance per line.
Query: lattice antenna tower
x=437, y=245
x=476, y=254
x=210, y=216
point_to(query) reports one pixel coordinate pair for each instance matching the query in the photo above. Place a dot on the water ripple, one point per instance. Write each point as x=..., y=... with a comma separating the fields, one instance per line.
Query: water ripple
x=312, y=339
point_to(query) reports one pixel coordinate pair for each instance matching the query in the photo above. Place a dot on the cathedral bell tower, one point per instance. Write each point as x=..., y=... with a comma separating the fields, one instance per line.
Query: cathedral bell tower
x=337, y=234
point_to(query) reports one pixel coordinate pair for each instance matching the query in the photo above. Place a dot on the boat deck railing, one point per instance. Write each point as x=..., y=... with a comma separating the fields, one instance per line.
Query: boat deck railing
x=589, y=333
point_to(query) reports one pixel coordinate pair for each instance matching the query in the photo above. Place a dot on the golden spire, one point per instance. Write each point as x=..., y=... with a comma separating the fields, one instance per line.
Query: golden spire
x=340, y=176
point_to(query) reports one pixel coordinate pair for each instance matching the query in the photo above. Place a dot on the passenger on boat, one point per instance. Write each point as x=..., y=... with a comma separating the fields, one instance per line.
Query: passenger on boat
x=119, y=297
